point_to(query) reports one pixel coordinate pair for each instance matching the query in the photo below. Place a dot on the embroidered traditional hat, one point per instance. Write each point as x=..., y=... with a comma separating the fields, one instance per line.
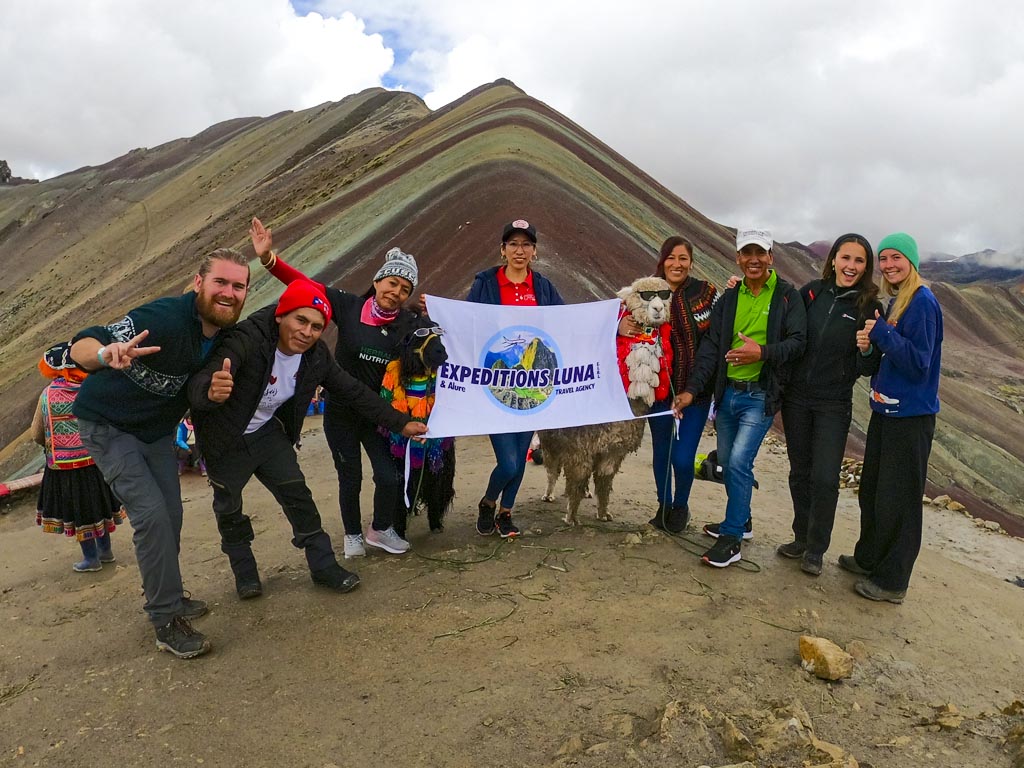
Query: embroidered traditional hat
x=57, y=363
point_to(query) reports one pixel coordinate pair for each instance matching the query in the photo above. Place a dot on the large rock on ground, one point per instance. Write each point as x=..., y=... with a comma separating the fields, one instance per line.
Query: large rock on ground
x=824, y=658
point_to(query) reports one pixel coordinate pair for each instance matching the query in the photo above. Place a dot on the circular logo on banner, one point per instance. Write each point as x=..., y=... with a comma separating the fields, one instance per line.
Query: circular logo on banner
x=522, y=361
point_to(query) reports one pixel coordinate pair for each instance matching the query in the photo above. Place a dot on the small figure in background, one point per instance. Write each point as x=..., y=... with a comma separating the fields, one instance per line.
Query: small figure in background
x=74, y=499
x=185, y=450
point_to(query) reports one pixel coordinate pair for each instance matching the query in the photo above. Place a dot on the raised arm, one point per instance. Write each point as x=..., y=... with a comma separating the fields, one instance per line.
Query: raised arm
x=263, y=243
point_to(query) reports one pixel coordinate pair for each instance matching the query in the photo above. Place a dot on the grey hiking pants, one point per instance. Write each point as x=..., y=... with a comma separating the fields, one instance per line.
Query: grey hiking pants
x=144, y=476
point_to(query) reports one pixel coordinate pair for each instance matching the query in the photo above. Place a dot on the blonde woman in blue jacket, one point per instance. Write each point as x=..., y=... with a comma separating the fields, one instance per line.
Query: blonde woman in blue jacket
x=904, y=402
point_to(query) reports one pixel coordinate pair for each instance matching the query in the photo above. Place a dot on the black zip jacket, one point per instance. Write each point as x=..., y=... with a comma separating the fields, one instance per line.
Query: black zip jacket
x=787, y=335
x=831, y=364
x=250, y=346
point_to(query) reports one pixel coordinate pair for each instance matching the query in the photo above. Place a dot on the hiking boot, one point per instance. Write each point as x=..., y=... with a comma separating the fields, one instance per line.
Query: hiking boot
x=724, y=552
x=178, y=637
x=485, y=519
x=335, y=577
x=87, y=566
x=793, y=550
x=714, y=530
x=503, y=522
x=849, y=563
x=811, y=563
x=248, y=585
x=870, y=590
x=354, y=546
x=190, y=608
x=387, y=540
x=677, y=519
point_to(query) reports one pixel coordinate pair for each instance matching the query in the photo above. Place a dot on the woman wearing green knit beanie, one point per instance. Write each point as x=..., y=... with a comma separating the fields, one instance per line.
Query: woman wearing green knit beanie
x=904, y=400
x=905, y=244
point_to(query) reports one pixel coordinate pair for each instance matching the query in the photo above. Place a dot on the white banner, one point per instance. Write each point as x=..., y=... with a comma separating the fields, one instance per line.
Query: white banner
x=518, y=369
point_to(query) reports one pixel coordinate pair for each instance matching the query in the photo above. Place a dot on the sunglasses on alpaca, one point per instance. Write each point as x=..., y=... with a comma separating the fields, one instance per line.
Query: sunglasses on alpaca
x=422, y=333
x=649, y=295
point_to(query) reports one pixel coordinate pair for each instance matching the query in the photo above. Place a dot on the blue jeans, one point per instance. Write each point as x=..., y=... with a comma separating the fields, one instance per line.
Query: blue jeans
x=510, y=452
x=683, y=450
x=742, y=425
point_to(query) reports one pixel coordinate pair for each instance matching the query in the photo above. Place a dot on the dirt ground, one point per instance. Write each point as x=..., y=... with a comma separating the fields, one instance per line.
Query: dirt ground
x=582, y=647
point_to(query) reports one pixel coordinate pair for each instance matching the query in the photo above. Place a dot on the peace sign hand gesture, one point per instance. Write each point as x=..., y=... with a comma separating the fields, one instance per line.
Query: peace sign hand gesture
x=120, y=354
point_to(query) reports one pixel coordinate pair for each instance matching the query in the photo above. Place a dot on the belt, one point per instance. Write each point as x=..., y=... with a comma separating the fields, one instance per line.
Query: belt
x=745, y=386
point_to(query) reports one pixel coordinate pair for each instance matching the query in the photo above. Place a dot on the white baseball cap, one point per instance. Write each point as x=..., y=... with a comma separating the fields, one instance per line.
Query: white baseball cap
x=760, y=237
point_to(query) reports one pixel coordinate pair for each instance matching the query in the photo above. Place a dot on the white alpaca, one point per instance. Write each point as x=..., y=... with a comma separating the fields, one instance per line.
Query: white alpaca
x=598, y=449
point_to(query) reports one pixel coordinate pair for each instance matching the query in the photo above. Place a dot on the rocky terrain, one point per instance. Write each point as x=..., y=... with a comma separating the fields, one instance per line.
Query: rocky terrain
x=602, y=646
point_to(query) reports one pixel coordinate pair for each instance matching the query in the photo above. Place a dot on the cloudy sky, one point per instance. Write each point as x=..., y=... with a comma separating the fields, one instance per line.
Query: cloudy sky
x=809, y=117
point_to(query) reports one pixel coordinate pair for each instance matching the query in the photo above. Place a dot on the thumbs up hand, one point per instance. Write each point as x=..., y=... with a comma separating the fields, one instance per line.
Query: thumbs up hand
x=221, y=383
x=864, y=335
x=869, y=324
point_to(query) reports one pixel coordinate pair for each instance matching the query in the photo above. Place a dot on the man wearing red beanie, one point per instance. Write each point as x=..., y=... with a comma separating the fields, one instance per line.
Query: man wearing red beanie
x=248, y=404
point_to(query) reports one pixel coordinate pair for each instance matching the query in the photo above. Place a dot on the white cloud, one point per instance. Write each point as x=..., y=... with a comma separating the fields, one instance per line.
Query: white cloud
x=812, y=118
x=99, y=78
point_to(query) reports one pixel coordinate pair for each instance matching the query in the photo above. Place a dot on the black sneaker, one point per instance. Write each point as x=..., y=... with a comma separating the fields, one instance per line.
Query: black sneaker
x=849, y=563
x=724, y=552
x=335, y=577
x=811, y=563
x=677, y=519
x=714, y=530
x=658, y=521
x=178, y=637
x=192, y=608
x=506, y=528
x=793, y=550
x=485, y=519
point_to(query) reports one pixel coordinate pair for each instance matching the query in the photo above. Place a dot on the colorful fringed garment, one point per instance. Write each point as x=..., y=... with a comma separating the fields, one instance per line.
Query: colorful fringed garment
x=64, y=449
x=416, y=399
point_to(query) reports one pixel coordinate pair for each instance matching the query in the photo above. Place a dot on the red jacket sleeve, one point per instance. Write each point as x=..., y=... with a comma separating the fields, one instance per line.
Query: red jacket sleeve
x=288, y=274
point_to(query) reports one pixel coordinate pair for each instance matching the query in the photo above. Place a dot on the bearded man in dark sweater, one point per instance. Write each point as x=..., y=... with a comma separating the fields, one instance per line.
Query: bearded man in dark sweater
x=248, y=404
x=128, y=411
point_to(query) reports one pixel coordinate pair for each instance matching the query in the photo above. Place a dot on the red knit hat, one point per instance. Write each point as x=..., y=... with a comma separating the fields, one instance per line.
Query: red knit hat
x=301, y=294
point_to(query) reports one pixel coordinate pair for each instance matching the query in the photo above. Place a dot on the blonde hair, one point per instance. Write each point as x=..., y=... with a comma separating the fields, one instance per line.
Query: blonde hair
x=904, y=293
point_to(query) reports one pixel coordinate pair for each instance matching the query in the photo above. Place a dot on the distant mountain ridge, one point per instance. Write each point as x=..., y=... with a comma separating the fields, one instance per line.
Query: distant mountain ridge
x=343, y=182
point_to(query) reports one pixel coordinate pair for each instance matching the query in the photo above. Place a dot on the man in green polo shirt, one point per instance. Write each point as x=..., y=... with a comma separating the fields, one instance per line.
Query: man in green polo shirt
x=758, y=330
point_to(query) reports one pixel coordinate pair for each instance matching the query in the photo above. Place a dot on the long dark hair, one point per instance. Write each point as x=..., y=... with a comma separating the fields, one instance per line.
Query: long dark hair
x=667, y=247
x=867, y=290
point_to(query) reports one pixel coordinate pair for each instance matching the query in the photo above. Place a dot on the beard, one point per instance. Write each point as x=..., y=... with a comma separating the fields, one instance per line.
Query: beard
x=216, y=314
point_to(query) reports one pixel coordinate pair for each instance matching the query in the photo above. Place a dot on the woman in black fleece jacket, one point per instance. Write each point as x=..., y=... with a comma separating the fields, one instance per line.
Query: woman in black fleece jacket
x=818, y=399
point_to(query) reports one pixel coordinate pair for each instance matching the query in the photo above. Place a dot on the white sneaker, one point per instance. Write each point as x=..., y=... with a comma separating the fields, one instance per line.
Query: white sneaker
x=354, y=546
x=387, y=540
